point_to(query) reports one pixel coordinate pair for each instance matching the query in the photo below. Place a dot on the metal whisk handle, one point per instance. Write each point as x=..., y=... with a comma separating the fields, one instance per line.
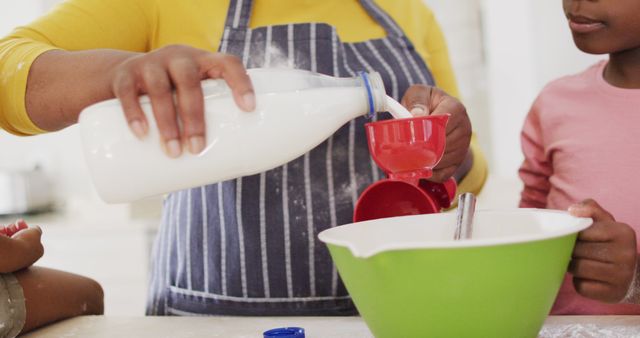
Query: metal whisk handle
x=466, y=210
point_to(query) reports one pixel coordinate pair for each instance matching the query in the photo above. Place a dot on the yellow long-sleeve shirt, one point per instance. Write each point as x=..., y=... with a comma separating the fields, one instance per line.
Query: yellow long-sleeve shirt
x=144, y=25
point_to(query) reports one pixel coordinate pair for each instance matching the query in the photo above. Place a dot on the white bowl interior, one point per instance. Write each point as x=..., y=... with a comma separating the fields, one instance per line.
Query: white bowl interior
x=491, y=227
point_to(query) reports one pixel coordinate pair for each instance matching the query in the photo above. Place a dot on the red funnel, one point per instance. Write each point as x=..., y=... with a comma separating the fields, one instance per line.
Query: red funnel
x=407, y=150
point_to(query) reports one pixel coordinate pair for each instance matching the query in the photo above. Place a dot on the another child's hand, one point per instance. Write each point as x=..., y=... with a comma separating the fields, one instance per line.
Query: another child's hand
x=31, y=241
x=605, y=256
x=21, y=246
x=428, y=100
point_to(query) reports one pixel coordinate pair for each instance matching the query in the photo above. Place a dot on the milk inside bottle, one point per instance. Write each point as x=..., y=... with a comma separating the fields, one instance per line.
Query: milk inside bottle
x=295, y=111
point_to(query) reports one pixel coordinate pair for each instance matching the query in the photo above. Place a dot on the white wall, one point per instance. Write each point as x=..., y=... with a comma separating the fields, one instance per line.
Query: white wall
x=15, y=13
x=527, y=44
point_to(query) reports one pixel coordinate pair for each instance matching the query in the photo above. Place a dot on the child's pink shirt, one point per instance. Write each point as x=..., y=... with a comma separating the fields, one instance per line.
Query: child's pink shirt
x=581, y=140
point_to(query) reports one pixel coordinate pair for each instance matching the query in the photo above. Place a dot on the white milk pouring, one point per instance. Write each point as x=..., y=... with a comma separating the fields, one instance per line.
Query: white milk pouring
x=296, y=110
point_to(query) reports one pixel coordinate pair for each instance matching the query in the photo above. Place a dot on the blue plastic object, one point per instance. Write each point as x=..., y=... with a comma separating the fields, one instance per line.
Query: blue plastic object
x=285, y=332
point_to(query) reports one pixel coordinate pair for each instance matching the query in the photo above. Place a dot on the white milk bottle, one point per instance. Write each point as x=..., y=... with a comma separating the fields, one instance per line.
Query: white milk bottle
x=295, y=111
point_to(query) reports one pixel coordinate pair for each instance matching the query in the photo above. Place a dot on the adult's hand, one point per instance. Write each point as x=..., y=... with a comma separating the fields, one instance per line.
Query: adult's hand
x=158, y=73
x=427, y=100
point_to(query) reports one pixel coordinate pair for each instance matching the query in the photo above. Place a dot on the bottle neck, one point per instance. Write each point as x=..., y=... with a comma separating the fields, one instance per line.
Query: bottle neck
x=372, y=84
x=375, y=93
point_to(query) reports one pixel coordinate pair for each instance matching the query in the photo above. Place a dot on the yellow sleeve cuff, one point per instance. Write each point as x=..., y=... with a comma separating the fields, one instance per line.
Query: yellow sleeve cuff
x=477, y=175
x=16, y=57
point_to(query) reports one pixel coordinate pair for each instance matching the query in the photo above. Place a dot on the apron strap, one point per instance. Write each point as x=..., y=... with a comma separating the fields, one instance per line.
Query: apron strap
x=239, y=14
x=382, y=18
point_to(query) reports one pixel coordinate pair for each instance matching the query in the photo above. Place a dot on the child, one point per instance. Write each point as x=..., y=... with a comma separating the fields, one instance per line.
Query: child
x=31, y=297
x=580, y=140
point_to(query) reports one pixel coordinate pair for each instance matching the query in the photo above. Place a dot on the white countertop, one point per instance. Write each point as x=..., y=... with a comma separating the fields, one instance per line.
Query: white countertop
x=347, y=327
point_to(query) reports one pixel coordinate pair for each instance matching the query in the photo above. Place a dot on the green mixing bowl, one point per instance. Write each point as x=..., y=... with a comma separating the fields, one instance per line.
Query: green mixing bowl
x=408, y=278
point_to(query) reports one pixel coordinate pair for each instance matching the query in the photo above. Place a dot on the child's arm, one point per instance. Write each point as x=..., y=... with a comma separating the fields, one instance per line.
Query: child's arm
x=53, y=295
x=536, y=168
x=20, y=249
x=605, y=256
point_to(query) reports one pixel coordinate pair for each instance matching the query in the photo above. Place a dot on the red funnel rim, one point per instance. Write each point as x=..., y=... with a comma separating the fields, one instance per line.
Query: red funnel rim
x=436, y=118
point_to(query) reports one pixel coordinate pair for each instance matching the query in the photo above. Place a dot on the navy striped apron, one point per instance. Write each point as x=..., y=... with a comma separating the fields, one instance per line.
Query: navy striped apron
x=249, y=246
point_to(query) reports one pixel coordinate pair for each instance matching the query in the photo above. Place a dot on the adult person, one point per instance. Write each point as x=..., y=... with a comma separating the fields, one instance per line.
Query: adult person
x=245, y=246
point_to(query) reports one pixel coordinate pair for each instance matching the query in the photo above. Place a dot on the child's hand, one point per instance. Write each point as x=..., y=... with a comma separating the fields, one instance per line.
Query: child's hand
x=427, y=100
x=31, y=242
x=20, y=246
x=605, y=256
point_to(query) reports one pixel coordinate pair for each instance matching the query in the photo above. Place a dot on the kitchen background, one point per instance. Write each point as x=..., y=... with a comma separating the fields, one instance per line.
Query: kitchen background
x=503, y=53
